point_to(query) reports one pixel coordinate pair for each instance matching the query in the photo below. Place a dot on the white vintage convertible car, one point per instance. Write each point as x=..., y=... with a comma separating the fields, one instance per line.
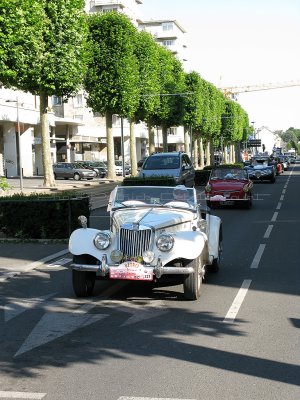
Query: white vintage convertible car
x=154, y=232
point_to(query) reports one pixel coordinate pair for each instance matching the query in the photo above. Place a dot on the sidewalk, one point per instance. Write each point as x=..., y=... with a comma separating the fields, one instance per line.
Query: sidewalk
x=18, y=257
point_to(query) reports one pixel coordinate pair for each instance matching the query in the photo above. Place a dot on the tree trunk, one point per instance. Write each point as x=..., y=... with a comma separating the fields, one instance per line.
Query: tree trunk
x=151, y=138
x=212, y=152
x=201, y=153
x=207, y=152
x=110, y=147
x=195, y=153
x=186, y=139
x=165, y=138
x=46, y=149
x=133, y=159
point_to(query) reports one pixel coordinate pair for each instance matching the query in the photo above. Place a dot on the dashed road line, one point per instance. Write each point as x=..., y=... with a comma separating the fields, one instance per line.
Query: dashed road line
x=278, y=206
x=21, y=395
x=268, y=231
x=237, y=302
x=257, y=257
x=275, y=215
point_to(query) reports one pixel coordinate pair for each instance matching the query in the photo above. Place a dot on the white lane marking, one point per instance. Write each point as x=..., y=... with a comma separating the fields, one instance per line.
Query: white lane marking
x=268, y=232
x=15, y=306
x=283, y=191
x=257, y=256
x=44, y=260
x=54, y=325
x=281, y=197
x=62, y=261
x=275, y=215
x=139, y=310
x=279, y=206
x=21, y=395
x=237, y=302
x=149, y=398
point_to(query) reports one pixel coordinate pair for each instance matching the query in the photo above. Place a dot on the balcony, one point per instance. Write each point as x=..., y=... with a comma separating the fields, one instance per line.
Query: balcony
x=110, y=3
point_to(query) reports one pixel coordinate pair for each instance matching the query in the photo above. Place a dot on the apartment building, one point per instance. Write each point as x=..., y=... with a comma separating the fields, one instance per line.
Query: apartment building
x=76, y=133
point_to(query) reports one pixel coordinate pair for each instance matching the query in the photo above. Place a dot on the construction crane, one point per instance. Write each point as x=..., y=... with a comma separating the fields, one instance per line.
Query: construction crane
x=232, y=91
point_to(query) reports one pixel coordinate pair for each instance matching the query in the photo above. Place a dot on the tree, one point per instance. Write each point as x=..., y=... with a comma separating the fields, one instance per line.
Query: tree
x=43, y=46
x=113, y=72
x=147, y=52
x=172, y=85
x=193, y=104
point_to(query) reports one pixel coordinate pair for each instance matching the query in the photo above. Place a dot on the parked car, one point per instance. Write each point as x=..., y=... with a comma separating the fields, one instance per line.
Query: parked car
x=141, y=162
x=229, y=186
x=262, y=168
x=119, y=168
x=74, y=170
x=177, y=165
x=98, y=166
x=155, y=233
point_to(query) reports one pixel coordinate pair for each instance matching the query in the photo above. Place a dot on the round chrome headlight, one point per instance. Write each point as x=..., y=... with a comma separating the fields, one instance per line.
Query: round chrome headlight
x=116, y=255
x=165, y=242
x=102, y=240
x=208, y=188
x=246, y=189
x=148, y=256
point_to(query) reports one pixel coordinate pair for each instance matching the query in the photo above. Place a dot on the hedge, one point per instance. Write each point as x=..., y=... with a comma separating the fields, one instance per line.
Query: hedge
x=42, y=216
x=149, y=181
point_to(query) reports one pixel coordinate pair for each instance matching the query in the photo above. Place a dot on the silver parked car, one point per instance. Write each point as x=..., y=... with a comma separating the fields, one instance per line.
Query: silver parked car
x=177, y=165
x=74, y=170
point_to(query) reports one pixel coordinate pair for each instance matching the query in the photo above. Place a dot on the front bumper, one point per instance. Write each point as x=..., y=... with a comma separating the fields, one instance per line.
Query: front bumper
x=103, y=268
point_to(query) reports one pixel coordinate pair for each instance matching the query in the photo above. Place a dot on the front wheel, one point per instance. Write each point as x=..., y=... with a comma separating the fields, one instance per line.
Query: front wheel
x=77, y=177
x=83, y=281
x=192, y=284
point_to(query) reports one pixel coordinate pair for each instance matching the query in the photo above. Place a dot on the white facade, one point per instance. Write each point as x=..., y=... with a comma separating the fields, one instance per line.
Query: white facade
x=169, y=34
x=128, y=7
x=269, y=139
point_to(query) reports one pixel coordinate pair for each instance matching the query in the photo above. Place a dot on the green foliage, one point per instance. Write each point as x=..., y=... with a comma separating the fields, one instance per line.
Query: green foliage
x=290, y=135
x=4, y=185
x=172, y=83
x=148, y=60
x=193, y=102
x=47, y=216
x=112, y=79
x=43, y=45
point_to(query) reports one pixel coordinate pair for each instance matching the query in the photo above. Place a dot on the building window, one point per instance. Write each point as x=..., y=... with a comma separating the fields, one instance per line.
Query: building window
x=57, y=101
x=116, y=120
x=167, y=26
x=78, y=100
x=168, y=43
x=172, y=131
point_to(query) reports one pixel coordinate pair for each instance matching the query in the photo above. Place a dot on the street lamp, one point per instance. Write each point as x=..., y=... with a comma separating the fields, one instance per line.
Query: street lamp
x=19, y=141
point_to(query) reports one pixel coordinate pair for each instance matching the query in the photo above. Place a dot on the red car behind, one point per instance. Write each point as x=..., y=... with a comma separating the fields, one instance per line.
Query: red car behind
x=229, y=186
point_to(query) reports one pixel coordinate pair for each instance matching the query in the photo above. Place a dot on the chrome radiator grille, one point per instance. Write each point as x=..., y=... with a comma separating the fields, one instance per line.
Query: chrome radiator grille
x=133, y=243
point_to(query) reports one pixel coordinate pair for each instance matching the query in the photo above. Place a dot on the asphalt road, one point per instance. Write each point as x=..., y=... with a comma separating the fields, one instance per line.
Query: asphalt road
x=131, y=342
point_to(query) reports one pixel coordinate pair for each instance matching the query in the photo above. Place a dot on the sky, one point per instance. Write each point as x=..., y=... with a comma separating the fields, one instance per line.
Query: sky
x=242, y=43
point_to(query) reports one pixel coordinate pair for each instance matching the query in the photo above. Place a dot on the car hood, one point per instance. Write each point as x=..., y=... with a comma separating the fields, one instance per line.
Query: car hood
x=156, y=218
x=259, y=167
x=227, y=185
x=160, y=172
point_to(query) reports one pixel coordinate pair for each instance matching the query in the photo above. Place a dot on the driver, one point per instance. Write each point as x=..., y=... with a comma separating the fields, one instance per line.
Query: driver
x=180, y=193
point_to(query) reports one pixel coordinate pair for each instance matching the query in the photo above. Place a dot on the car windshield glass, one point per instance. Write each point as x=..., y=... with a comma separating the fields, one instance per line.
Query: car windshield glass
x=226, y=173
x=129, y=196
x=159, y=162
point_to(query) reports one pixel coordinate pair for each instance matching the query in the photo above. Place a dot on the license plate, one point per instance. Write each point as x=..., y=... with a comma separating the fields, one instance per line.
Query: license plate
x=227, y=202
x=131, y=270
